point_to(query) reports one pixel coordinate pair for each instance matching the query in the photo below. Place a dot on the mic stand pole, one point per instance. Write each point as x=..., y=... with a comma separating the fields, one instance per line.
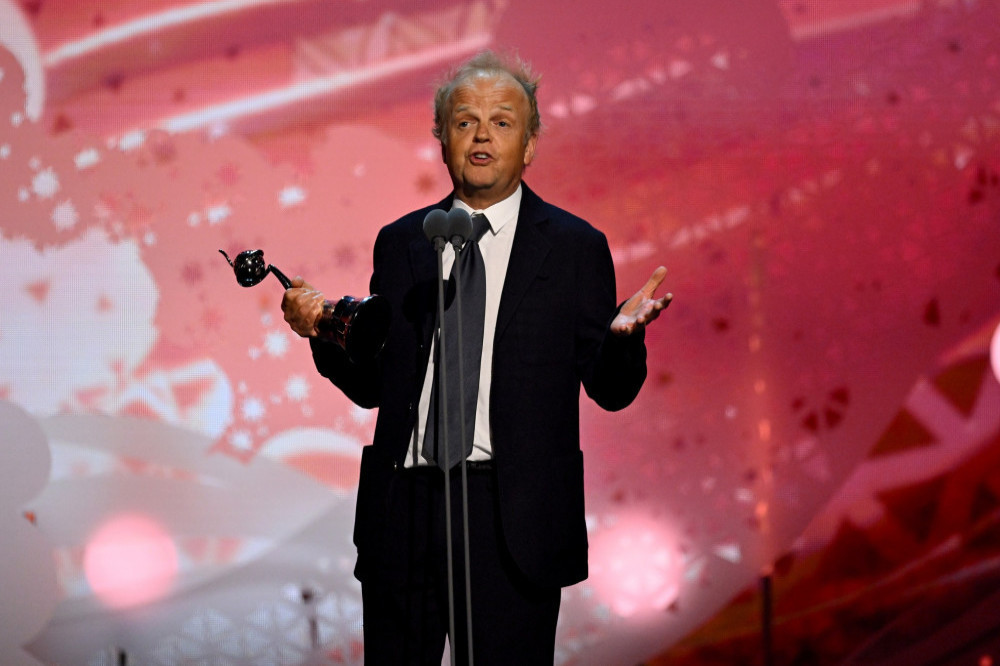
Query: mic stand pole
x=767, y=617
x=441, y=414
x=465, y=480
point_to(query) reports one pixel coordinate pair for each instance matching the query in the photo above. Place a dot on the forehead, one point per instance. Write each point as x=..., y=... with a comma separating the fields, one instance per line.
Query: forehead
x=489, y=88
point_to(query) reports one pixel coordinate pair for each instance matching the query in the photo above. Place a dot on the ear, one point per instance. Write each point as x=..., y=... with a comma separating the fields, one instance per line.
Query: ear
x=444, y=151
x=529, y=149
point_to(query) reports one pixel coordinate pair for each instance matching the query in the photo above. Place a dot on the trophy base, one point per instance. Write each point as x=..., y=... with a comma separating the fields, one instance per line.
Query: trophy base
x=358, y=326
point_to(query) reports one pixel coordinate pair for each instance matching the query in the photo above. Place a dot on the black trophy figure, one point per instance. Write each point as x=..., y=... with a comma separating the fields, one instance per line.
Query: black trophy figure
x=358, y=326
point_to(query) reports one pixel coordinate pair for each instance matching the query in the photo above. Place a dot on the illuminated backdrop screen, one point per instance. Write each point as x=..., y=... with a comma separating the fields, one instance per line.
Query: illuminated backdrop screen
x=820, y=177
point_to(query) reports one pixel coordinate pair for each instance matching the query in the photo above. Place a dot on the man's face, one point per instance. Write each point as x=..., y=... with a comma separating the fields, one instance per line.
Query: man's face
x=484, y=145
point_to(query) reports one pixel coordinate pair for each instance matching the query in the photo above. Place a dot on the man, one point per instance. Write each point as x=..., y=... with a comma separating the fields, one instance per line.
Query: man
x=550, y=324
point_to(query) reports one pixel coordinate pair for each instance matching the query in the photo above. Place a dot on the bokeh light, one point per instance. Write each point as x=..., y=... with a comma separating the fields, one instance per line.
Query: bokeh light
x=130, y=560
x=995, y=353
x=635, y=566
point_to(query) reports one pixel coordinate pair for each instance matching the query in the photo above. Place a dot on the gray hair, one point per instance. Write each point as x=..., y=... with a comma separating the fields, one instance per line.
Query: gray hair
x=489, y=63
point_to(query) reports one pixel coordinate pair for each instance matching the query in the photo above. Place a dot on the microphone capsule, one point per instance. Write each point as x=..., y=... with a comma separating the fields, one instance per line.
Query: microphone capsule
x=436, y=225
x=459, y=226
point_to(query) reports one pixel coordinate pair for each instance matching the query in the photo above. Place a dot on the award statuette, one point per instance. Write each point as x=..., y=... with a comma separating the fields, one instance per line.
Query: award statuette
x=358, y=326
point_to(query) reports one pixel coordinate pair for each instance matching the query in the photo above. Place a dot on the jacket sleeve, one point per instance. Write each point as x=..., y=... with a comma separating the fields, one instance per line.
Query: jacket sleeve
x=360, y=382
x=612, y=368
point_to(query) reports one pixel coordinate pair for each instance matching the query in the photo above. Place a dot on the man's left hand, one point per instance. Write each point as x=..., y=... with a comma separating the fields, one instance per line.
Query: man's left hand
x=643, y=307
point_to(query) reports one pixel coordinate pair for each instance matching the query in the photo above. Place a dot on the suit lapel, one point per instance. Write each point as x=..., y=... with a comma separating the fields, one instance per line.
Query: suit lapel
x=527, y=255
x=422, y=260
x=423, y=267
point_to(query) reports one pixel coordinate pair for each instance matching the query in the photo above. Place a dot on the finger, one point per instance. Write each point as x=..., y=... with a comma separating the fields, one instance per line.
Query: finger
x=621, y=328
x=298, y=282
x=308, y=305
x=655, y=305
x=652, y=309
x=302, y=320
x=301, y=306
x=654, y=281
x=292, y=300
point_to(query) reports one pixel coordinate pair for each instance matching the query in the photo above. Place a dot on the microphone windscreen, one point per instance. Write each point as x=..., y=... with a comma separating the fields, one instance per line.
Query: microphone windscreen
x=436, y=224
x=459, y=224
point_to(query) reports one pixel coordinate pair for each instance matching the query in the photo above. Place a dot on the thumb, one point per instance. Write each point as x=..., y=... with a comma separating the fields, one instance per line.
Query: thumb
x=299, y=283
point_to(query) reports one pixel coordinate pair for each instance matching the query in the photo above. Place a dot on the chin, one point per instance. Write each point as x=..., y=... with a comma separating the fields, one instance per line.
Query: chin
x=477, y=187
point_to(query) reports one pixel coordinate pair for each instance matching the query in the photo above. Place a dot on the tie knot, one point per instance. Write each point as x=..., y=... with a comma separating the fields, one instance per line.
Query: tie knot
x=479, y=226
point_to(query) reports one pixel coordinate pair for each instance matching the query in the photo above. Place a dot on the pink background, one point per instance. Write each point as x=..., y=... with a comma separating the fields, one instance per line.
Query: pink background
x=820, y=177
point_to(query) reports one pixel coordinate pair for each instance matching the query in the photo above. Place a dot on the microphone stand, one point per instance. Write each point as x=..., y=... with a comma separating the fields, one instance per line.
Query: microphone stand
x=456, y=243
x=442, y=416
x=441, y=409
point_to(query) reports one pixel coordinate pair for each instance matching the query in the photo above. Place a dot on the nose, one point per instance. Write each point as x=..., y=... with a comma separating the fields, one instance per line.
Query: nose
x=482, y=132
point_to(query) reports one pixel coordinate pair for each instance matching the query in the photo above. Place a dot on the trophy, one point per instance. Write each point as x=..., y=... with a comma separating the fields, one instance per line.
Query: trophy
x=358, y=326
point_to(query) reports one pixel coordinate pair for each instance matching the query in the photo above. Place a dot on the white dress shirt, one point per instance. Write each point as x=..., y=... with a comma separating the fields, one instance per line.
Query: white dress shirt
x=495, y=247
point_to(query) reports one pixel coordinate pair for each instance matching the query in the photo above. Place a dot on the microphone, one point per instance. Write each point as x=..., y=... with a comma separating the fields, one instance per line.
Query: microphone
x=454, y=226
x=459, y=226
x=436, y=227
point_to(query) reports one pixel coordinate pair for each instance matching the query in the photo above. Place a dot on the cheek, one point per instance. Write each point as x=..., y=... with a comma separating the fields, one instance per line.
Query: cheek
x=450, y=153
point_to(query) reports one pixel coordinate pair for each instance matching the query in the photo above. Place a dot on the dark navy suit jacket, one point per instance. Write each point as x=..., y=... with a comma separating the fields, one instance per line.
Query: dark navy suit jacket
x=552, y=336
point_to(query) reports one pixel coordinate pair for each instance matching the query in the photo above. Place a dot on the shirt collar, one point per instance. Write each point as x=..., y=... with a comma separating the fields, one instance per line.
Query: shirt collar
x=500, y=213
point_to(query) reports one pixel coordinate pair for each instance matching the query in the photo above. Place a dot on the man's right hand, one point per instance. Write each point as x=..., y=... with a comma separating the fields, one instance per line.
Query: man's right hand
x=302, y=305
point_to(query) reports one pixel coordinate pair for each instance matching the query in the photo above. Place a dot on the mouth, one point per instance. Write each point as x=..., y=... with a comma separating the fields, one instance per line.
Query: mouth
x=480, y=157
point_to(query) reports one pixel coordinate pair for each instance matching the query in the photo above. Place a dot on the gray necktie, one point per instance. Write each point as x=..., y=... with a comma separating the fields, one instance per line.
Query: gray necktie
x=472, y=280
